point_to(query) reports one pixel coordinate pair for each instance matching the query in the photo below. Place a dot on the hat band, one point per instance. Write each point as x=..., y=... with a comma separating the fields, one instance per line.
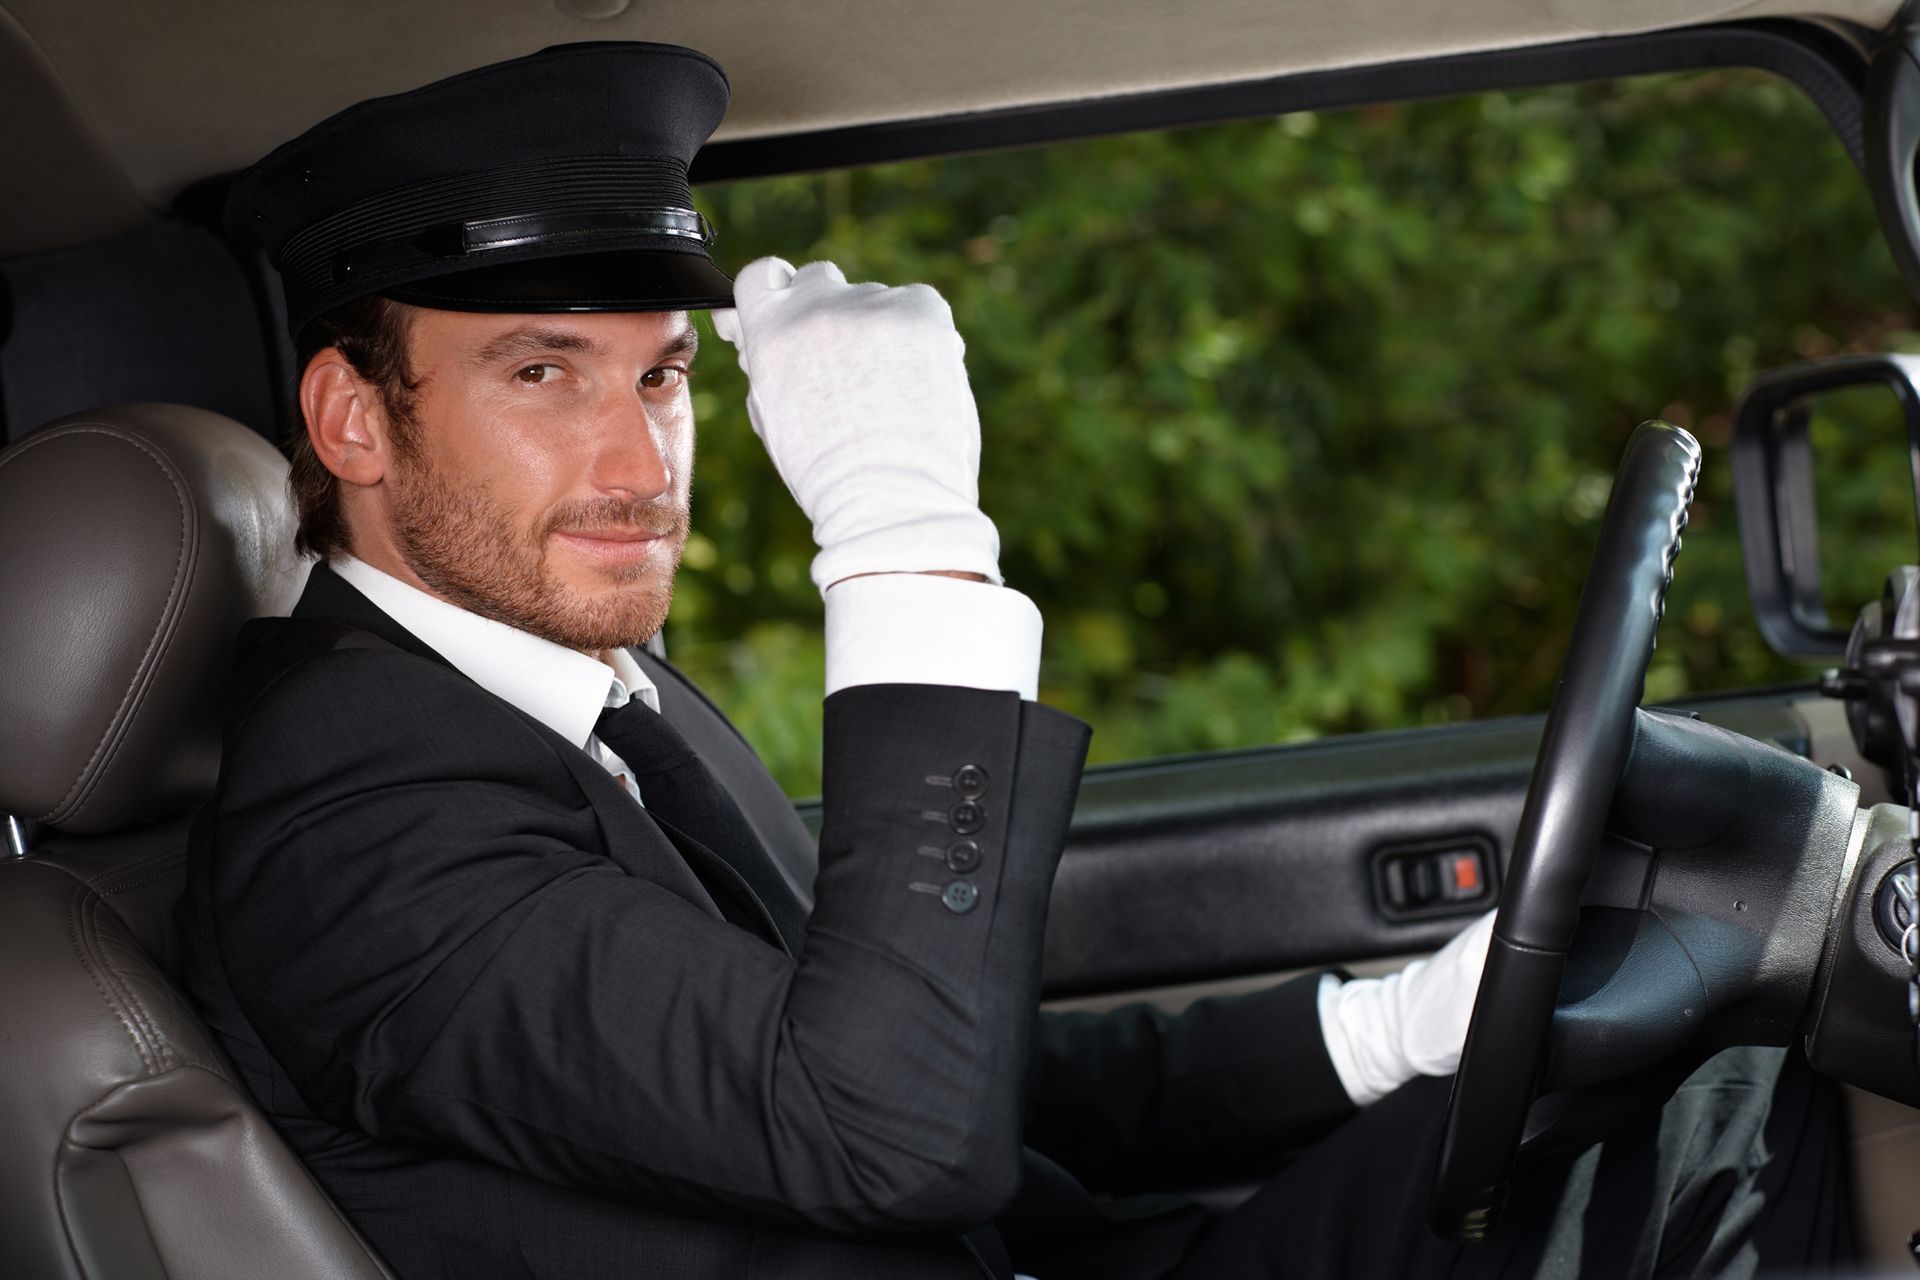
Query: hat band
x=479, y=236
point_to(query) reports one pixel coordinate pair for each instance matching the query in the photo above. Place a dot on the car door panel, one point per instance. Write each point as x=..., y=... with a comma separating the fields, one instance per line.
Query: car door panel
x=1204, y=870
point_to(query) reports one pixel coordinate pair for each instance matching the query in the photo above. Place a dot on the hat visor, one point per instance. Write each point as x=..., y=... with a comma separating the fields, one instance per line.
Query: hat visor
x=616, y=280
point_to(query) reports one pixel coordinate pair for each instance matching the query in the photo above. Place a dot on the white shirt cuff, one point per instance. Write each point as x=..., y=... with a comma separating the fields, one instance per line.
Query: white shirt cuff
x=920, y=628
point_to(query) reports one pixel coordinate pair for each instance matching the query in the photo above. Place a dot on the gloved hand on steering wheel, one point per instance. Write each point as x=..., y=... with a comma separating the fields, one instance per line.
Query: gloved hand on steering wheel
x=1382, y=1032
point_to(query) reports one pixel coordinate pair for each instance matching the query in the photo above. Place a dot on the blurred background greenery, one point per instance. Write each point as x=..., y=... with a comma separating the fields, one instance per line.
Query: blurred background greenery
x=1304, y=426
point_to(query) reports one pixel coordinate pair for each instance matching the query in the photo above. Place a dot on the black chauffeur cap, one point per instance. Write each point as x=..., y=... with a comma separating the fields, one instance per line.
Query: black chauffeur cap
x=554, y=182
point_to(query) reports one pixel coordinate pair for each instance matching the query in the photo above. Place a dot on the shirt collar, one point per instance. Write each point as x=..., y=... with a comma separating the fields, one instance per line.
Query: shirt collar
x=562, y=688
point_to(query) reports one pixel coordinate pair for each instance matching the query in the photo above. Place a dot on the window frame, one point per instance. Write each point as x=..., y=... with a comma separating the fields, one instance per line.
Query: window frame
x=1825, y=58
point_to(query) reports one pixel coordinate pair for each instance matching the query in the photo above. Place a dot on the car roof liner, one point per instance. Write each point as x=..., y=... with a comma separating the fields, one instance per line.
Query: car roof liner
x=141, y=101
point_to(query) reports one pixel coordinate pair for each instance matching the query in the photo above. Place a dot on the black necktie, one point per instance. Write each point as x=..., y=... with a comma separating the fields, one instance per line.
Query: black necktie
x=681, y=793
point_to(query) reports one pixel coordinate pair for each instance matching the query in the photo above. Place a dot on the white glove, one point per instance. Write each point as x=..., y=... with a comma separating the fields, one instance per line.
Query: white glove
x=860, y=396
x=1382, y=1032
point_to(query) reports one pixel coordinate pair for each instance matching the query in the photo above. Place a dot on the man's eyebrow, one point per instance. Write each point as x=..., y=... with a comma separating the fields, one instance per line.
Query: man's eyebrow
x=533, y=340
x=685, y=343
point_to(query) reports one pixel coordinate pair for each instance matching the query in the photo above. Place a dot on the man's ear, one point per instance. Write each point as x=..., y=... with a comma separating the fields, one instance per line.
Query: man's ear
x=346, y=419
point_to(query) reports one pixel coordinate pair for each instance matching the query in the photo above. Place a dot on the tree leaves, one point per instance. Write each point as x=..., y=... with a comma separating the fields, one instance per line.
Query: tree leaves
x=1304, y=426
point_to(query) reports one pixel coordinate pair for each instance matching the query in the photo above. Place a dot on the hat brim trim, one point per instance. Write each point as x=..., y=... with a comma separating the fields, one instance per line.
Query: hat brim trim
x=616, y=280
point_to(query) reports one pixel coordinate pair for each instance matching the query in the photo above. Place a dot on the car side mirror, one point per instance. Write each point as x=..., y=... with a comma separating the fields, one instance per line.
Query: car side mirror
x=1853, y=412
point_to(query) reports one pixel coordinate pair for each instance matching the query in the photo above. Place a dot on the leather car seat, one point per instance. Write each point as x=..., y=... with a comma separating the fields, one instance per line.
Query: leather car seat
x=133, y=543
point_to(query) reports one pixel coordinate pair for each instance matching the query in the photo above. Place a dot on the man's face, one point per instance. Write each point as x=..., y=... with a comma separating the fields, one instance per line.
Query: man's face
x=544, y=479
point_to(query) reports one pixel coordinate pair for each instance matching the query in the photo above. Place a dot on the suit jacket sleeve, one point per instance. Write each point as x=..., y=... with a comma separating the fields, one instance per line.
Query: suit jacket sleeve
x=1135, y=1097
x=415, y=931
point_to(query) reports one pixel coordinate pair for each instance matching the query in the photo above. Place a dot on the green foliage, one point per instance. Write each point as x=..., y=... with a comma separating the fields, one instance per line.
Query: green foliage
x=1856, y=433
x=1304, y=426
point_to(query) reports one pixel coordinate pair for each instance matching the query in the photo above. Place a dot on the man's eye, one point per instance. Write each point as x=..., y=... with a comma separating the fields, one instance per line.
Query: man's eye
x=671, y=375
x=534, y=374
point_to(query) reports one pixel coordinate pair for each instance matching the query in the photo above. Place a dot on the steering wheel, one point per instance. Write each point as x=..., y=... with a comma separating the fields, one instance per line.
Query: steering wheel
x=1583, y=751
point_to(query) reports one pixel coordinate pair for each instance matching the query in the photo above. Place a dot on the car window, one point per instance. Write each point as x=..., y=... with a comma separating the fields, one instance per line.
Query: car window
x=1304, y=426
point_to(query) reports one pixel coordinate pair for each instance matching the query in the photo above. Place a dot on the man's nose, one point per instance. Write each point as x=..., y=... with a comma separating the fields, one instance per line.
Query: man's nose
x=632, y=451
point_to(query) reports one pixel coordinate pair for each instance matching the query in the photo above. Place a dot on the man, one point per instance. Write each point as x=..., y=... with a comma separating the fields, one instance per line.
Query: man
x=514, y=940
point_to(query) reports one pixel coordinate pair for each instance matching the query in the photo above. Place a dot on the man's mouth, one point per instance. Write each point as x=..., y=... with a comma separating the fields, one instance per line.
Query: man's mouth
x=614, y=535
x=613, y=546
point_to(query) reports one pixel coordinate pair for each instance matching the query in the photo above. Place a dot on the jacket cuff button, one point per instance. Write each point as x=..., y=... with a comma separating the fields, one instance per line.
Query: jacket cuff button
x=960, y=896
x=967, y=817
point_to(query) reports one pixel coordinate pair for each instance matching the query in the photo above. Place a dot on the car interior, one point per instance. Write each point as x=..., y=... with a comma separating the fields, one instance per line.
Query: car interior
x=144, y=373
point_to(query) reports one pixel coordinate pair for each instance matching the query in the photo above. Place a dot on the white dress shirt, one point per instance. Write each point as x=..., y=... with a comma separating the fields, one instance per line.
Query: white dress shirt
x=562, y=688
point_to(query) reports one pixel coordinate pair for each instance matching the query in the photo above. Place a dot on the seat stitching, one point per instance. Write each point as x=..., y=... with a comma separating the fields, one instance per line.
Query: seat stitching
x=166, y=1049
x=149, y=1028
x=107, y=887
x=146, y=867
x=78, y=904
x=83, y=784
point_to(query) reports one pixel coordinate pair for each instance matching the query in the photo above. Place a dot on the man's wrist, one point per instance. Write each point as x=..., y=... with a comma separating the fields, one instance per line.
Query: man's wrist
x=952, y=542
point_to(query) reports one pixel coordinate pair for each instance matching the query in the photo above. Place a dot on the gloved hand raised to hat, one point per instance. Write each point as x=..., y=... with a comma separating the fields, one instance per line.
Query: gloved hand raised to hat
x=859, y=393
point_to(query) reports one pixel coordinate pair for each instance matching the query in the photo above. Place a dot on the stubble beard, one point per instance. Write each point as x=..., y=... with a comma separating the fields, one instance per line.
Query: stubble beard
x=466, y=547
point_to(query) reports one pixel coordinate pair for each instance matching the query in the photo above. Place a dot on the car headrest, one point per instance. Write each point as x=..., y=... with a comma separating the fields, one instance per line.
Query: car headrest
x=134, y=541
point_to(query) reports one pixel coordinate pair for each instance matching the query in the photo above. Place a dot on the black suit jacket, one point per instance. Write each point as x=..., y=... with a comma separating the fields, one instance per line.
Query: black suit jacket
x=499, y=1011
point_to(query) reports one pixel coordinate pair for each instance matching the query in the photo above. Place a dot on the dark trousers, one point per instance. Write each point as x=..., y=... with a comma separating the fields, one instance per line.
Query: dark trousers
x=1740, y=1174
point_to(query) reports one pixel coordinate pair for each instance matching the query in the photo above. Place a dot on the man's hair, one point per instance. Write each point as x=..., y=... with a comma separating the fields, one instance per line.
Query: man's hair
x=371, y=333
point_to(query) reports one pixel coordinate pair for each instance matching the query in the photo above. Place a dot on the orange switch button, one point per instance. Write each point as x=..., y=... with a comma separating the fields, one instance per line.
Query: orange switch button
x=1466, y=875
